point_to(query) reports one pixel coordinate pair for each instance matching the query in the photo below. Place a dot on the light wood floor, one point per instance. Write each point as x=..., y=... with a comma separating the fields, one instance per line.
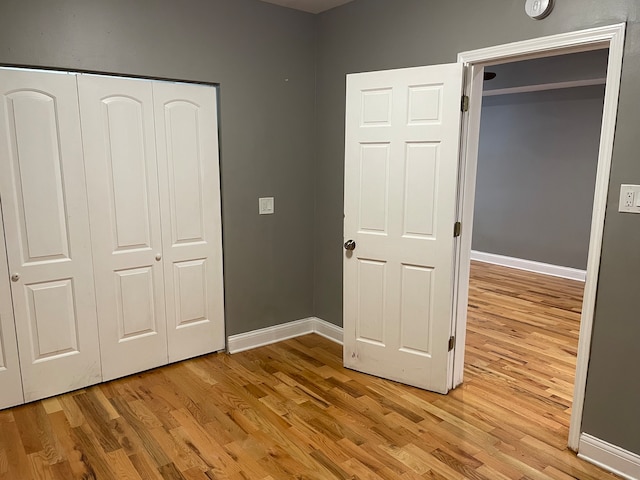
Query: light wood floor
x=291, y=411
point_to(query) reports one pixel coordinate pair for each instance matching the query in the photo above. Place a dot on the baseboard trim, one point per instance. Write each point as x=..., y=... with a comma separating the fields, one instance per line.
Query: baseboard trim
x=609, y=457
x=530, y=265
x=266, y=336
x=327, y=330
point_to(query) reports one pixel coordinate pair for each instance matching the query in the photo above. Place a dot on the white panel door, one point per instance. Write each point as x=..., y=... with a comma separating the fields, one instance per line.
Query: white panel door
x=122, y=183
x=401, y=165
x=187, y=142
x=10, y=381
x=42, y=184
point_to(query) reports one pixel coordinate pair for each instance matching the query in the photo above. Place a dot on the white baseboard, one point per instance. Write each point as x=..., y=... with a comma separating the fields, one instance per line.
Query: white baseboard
x=266, y=336
x=609, y=457
x=328, y=330
x=530, y=265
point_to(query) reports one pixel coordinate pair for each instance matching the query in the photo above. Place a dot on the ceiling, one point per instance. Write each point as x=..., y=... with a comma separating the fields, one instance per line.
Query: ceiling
x=311, y=6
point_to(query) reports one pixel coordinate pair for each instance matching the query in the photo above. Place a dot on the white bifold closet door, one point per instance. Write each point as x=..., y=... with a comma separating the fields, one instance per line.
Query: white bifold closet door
x=187, y=142
x=122, y=183
x=10, y=380
x=44, y=207
x=110, y=203
x=151, y=155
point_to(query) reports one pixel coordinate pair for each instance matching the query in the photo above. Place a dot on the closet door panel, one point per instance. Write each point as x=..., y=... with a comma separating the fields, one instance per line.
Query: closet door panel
x=42, y=183
x=122, y=180
x=10, y=381
x=187, y=141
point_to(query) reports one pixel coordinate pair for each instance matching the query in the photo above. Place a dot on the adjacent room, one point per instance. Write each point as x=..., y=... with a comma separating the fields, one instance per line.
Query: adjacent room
x=174, y=242
x=537, y=161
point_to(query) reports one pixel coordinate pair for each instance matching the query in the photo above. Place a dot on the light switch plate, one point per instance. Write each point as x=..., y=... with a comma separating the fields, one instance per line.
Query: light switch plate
x=265, y=205
x=629, y=199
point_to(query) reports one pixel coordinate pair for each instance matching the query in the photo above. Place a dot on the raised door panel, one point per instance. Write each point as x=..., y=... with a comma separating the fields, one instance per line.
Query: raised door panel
x=122, y=180
x=10, y=381
x=374, y=188
x=370, y=319
x=42, y=183
x=187, y=142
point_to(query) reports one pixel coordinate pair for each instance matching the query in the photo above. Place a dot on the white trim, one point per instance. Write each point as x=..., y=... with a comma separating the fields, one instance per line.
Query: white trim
x=267, y=336
x=541, y=87
x=530, y=265
x=609, y=457
x=611, y=37
x=328, y=330
x=560, y=44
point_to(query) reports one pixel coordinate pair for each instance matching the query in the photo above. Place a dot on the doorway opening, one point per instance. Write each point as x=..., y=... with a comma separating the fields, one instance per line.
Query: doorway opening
x=610, y=38
x=537, y=159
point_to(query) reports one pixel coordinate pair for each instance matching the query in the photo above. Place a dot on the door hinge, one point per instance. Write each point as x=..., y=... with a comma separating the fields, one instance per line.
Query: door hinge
x=464, y=103
x=457, y=229
x=452, y=342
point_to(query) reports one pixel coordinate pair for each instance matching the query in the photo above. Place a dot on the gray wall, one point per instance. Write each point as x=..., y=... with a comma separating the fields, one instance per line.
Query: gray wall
x=250, y=48
x=537, y=162
x=379, y=34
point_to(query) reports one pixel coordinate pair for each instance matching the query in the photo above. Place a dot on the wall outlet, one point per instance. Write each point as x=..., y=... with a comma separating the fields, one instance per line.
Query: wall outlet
x=629, y=199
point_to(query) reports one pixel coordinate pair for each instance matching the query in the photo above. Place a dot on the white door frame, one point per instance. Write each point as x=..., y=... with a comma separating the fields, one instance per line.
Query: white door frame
x=611, y=37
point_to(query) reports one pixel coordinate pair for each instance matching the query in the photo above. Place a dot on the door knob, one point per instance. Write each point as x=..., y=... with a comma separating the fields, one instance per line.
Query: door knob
x=15, y=277
x=349, y=245
x=158, y=257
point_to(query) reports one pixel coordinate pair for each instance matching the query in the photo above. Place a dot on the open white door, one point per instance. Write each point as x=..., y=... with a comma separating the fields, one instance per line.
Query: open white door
x=401, y=167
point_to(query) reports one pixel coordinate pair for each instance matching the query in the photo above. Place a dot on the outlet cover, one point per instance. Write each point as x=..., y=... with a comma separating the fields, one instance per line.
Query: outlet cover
x=629, y=199
x=265, y=205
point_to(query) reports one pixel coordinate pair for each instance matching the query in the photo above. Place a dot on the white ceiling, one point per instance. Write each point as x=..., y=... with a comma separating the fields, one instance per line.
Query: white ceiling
x=311, y=6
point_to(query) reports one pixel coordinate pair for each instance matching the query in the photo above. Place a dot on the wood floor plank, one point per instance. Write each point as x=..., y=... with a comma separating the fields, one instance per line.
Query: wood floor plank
x=122, y=466
x=93, y=456
x=18, y=466
x=291, y=411
x=145, y=467
x=40, y=468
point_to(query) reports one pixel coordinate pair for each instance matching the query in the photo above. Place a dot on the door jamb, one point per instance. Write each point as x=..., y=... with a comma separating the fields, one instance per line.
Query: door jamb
x=611, y=37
